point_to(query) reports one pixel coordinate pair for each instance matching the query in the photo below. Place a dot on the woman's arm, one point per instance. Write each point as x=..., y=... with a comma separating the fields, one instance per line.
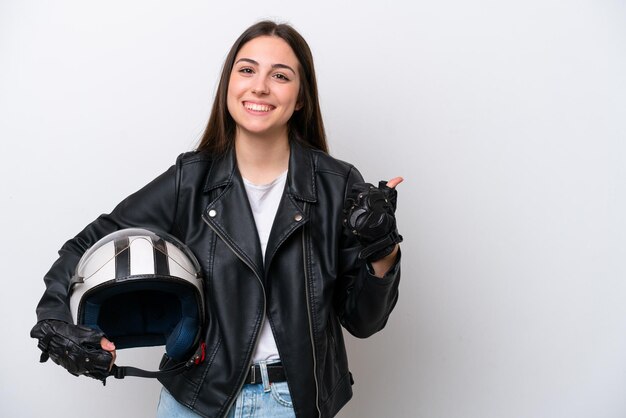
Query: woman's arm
x=366, y=293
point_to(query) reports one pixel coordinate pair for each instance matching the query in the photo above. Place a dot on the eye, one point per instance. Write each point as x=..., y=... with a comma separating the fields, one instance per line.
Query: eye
x=281, y=77
x=246, y=70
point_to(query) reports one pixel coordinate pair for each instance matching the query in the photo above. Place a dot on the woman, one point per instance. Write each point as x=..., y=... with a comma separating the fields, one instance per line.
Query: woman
x=261, y=204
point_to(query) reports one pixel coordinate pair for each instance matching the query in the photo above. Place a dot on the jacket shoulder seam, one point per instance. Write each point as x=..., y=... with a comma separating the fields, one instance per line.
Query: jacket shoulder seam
x=193, y=157
x=331, y=165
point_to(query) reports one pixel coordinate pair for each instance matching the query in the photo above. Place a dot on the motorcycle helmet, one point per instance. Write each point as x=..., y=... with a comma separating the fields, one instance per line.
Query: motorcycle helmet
x=141, y=288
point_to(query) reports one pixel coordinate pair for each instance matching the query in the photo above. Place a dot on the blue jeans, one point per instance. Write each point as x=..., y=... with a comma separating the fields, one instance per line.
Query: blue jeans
x=262, y=400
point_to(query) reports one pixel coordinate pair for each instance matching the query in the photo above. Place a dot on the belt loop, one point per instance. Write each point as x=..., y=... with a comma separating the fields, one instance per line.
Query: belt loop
x=264, y=376
x=253, y=380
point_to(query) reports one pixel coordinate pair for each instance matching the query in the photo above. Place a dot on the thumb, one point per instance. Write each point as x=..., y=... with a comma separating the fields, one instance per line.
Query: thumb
x=107, y=345
x=394, y=182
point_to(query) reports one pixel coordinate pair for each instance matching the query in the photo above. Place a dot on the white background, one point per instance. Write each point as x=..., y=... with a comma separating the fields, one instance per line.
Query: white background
x=507, y=120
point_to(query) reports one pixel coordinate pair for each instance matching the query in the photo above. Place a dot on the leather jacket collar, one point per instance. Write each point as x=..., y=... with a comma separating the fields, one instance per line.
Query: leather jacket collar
x=300, y=177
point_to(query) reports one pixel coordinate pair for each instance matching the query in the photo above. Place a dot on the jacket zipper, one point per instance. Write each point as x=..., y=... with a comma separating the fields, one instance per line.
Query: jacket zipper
x=308, y=305
x=256, y=337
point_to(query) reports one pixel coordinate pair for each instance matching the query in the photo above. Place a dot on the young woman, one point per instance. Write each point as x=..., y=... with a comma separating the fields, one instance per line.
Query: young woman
x=292, y=245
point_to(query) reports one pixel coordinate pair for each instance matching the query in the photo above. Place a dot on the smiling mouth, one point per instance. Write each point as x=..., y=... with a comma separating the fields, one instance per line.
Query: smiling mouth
x=256, y=107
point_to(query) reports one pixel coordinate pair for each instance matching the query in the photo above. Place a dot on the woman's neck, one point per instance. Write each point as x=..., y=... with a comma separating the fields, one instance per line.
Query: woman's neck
x=261, y=160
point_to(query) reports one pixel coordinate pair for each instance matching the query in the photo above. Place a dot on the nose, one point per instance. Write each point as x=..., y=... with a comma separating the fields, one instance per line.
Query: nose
x=260, y=87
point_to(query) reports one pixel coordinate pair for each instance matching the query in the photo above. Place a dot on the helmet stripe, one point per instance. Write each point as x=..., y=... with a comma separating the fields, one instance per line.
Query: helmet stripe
x=122, y=258
x=161, y=259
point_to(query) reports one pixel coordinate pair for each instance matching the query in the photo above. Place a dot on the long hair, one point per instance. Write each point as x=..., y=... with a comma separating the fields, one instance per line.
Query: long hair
x=305, y=125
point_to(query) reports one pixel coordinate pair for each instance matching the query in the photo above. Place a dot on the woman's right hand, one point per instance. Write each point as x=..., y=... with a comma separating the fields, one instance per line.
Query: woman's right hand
x=78, y=349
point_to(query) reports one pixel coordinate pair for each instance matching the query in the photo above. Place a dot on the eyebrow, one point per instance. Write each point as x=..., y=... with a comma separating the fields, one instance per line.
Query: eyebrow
x=251, y=61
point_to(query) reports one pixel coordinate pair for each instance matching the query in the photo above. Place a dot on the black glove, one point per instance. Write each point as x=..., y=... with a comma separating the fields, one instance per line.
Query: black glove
x=369, y=214
x=76, y=348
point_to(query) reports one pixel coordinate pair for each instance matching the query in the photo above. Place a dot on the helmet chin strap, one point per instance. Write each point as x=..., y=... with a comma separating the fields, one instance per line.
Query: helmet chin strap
x=120, y=372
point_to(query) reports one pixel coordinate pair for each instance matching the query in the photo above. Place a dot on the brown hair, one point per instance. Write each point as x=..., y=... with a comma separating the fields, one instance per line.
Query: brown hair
x=305, y=126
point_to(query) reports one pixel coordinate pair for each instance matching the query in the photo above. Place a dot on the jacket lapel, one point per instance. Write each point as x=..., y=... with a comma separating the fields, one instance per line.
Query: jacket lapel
x=293, y=208
x=229, y=214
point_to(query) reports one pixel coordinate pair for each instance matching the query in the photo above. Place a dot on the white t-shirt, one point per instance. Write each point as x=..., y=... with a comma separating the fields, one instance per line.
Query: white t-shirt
x=264, y=200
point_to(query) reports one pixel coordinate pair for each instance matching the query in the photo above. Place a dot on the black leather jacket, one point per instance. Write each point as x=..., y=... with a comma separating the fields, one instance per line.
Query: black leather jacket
x=310, y=281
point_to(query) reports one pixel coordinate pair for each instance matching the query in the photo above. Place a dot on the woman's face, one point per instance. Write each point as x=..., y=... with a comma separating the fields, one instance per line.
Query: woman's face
x=263, y=87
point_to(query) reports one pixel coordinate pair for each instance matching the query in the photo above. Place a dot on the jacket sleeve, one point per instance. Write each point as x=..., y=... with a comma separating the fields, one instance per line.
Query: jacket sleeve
x=153, y=207
x=362, y=300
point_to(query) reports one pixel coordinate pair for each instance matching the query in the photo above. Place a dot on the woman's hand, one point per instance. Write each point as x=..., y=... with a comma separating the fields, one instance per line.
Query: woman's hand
x=75, y=348
x=384, y=264
x=369, y=214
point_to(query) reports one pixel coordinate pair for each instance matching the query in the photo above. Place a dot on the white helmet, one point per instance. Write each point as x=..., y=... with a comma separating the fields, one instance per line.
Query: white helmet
x=141, y=289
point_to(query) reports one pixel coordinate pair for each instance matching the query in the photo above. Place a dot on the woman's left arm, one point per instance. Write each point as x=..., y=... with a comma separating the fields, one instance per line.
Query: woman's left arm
x=369, y=261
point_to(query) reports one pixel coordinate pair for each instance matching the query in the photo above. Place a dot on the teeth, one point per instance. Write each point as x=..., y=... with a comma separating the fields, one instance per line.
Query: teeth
x=258, y=107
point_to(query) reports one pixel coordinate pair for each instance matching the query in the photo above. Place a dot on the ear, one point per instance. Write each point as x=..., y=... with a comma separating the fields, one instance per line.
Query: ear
x=299, y=105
